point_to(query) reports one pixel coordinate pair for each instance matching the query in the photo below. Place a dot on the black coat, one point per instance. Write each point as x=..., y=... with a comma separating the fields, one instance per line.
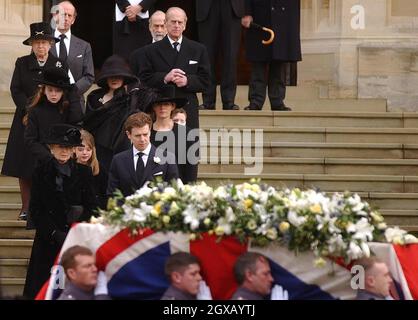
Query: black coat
x=283, y=17
x=179, y=147
x=203, y=8
x=41, y=118
x=106, y=122
x=122, y=174
x=18, y=160
x=48, y=209
x=160, y=58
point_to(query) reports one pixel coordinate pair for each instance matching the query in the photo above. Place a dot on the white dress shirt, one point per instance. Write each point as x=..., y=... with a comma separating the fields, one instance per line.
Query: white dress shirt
x=144, y=156
x=172, y=41
x=67, y=42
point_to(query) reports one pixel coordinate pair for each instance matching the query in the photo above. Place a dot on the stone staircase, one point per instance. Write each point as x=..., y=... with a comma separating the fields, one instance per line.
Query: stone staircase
x=333, y=145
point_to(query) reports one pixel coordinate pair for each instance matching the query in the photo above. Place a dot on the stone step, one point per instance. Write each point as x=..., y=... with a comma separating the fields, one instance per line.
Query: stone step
x=308, y=119
x=13, y=268
x=400, y=217
x=9, y=211
x=7, y=114
x=12, y=229
x=315, y=165
x=15, y=248
x=12, y=287
x=304, y=150
x=9, y=194
x=314, y=134
x=407, y=201
x=354, y=183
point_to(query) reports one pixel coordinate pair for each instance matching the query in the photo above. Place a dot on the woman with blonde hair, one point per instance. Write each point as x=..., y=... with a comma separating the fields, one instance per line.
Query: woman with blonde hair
x=86, y=154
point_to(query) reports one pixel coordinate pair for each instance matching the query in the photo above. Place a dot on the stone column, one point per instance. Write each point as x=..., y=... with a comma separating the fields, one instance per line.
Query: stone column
x=15, y=18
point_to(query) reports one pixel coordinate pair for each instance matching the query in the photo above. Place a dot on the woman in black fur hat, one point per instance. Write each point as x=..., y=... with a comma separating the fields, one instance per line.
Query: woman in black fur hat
x=62, y=193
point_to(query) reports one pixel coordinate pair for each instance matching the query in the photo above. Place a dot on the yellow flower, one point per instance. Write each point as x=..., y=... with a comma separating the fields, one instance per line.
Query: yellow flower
x=397, y=240
x=219, y=231
x=255, y=187
x=376, y=216
x=284, y=226
x=210, y=232
x=248, y=203
x=206, y=221
x=192, y=236
x=251, y=225
x=320, y=262
x=271, y=234
x=166, y=219
x=157, y=195
x=174, y=208
x=157, y=209
x=316, y=208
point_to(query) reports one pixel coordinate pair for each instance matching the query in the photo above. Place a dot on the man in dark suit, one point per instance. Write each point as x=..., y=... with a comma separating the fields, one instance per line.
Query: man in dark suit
x=74, y=51
x=158, y=32
x=280, y=57
x=219, y=24
x=179, y=61
x=132, y=168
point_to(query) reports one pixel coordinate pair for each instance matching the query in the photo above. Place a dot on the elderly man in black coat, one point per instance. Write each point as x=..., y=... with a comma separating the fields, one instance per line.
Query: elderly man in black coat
x=178, y=61
x=283, y=17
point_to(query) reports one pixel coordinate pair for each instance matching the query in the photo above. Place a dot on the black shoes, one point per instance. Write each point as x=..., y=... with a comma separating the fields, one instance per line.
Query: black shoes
x=252, y=107
x=280, y=107
x=23, y=216
x=232, y=106
x=206, y=107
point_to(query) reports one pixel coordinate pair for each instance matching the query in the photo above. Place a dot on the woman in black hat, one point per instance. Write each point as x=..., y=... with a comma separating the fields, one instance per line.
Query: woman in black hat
x=50, y=105
x=62, y=194
x=176, y=138
x=18, y=161
x=108, y=107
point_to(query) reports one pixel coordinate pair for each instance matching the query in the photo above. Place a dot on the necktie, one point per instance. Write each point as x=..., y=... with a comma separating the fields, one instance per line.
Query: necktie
x=175, y=45
x=63, y=48
x=139, y=170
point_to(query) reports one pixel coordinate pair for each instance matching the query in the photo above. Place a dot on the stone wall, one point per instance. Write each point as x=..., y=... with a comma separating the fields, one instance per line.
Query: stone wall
x=15, y=18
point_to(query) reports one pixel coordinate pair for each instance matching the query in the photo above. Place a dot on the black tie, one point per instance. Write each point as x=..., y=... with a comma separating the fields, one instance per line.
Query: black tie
x=63, y=48
x=175, y=45
x=139, y=167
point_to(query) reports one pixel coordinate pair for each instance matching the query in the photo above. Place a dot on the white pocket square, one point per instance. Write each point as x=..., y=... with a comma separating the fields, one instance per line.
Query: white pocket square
x=192, y=62
x=158, y=173
x=80, y=56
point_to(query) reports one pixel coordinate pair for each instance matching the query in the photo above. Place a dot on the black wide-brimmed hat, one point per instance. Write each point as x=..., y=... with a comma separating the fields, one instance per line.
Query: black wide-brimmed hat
x=115, y=66
x=40, y=31
x=55, y=77
x=64, y=135
x=166, y=94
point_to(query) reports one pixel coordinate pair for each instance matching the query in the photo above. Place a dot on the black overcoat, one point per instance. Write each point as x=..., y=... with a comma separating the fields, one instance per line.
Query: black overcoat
x=283, y=17
x=18, y=161
x=48, y=208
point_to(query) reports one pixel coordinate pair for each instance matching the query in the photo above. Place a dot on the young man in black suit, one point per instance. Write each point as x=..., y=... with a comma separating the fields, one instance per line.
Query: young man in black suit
x=132, y=168
x=177, y=61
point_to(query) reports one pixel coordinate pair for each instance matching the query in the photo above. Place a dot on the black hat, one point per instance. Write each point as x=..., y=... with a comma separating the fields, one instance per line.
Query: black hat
x=115, y=66
x=56, y=77
x=40, y=31
x=63, y=135
x=166, y=94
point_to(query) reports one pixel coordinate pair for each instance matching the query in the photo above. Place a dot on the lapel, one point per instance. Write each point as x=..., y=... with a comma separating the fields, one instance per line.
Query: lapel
x=74, y=48
x=149, y=167
x=167, y=52
x=130, y=166
x=184, y=54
